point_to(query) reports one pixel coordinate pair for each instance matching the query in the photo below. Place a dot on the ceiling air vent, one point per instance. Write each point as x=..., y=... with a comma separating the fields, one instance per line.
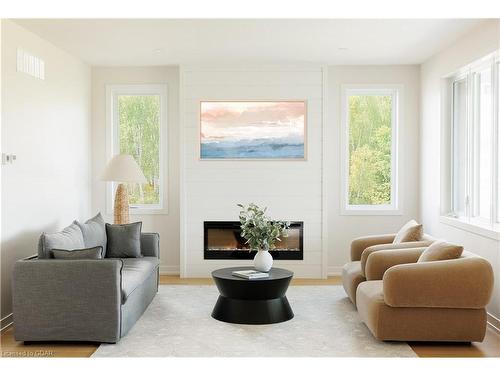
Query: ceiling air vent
x=30, y=64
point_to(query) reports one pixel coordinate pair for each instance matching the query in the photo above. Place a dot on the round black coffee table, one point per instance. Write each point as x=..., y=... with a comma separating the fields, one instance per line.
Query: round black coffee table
x=260, y=301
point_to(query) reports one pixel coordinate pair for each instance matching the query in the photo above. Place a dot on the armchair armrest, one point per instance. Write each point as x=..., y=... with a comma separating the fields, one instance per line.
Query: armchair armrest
x=392, y=246
x=379, y=262
x=359, y=244
x=150, y=244
x=466, y=282
x=67, y=300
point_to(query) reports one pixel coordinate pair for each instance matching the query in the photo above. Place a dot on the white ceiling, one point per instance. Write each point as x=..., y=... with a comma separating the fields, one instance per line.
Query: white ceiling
x=203, y=41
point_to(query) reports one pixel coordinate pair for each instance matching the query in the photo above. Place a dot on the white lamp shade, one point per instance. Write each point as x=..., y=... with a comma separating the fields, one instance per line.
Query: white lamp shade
x=123, y=168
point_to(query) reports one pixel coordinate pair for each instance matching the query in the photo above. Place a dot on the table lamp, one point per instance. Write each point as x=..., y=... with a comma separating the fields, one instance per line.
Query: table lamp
x=124, y=169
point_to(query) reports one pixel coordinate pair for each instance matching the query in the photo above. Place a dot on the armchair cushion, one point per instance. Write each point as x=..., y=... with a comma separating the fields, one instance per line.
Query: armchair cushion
x=124, y=240
x=411, y=231
x=70, y=238
x=392, y=246
x=441, y=250
x=379, y=262
x=94, y=232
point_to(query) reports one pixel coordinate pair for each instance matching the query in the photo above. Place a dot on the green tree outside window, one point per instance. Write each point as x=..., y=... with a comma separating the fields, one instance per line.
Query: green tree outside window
x=139, y=133
x=370, y=139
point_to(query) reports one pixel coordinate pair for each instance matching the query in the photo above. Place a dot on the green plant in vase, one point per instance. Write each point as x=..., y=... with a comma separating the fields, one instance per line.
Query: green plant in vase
x=261, y=233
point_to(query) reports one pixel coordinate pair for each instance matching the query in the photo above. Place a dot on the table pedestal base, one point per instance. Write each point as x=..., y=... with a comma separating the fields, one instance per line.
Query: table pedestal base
x=247, y=311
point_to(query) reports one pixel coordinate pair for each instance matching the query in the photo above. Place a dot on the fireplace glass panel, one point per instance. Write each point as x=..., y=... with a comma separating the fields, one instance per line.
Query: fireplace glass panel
x=222, y=240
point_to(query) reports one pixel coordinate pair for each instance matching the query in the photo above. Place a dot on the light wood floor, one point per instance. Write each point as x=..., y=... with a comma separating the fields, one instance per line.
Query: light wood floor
x=490, y=347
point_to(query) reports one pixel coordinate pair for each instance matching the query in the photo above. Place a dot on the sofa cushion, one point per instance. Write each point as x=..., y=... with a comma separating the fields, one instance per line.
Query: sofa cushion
x=134, y=272
x=441, y=250
x=124, y=240
x=411, y=231
x=90, y=253
x=94, y=232
x=70, y=238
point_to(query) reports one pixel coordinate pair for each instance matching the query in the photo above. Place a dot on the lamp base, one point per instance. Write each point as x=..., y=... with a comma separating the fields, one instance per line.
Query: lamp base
x=121, y=213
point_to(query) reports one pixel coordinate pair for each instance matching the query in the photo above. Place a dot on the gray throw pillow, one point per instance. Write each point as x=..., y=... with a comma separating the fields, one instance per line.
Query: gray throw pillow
x=94, y=232
x=124, y=240
x=69, y=238
x=92, y=253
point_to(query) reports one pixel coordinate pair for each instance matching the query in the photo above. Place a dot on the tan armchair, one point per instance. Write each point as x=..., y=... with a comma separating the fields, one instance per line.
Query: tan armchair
x=353, y=273
x=403, y=300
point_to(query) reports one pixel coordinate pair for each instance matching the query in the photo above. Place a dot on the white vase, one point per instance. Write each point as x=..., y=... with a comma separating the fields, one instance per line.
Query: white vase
x=263, y=261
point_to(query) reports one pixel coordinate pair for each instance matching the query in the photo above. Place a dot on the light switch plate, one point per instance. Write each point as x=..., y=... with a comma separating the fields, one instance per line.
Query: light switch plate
x=8, y=158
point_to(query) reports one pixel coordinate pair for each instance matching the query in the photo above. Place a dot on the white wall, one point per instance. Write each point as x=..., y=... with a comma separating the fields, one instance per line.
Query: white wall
x=478, y=43
x=342, y=229
x=46, y=124
x=167, y=225
x=210, y=190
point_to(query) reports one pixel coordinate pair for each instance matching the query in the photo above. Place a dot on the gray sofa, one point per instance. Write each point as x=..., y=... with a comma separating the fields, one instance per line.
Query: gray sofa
x=84, y=300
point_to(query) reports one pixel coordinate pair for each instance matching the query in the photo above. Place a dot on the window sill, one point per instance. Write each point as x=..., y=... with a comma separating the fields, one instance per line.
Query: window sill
x=142, y=211
x=146, y=211
x=480, y=229
x=370, y=212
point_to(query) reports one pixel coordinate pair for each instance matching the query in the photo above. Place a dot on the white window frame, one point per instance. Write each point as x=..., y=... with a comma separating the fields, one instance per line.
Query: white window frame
x=486, y=228
x=112, y=143
x=396, y=91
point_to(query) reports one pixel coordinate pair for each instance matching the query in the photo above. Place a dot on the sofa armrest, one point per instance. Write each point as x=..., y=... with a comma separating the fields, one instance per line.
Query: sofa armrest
x=392, y=246
x=75, y=300
x=150, y=244
x=358, y=245
x=466, y=282
x=380, y=261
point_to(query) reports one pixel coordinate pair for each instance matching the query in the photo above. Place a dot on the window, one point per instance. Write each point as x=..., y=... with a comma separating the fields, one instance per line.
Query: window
x=136, y=126
x=459, y=144
x=496, y=150
x=475, y=176
x=369, y=137
x=483, y=144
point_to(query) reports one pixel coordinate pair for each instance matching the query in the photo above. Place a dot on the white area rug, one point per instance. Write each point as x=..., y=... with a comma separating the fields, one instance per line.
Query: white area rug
x=178, y=323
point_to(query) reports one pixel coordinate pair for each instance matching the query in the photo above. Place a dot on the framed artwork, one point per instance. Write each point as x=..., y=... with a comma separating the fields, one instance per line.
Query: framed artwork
x=255, y=130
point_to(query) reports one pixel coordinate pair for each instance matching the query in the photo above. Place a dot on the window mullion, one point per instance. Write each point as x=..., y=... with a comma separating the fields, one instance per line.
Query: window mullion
x=469, y=150
x=495, y=206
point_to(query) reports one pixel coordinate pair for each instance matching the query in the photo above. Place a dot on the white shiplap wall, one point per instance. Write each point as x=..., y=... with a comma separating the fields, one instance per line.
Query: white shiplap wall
x=210, y=190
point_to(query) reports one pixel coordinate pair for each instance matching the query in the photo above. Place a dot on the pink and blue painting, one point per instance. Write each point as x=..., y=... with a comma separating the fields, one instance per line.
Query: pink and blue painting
x=252, y=129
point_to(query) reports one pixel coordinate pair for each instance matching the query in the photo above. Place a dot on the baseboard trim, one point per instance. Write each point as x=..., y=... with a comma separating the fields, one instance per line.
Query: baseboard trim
x=334, y=271
x=6, y=322
x=493, y=321
x=169, y=270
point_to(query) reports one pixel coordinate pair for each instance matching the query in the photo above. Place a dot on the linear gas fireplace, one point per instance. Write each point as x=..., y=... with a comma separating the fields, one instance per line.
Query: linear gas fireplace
x=222, y=240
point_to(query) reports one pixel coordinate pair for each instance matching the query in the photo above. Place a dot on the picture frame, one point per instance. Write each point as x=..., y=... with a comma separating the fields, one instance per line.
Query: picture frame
x=253, y=130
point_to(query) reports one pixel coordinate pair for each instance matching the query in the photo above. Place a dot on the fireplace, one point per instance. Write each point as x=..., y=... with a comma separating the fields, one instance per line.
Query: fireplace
x=222, y=240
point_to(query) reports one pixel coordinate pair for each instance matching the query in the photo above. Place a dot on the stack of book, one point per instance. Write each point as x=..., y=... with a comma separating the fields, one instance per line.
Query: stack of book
x=250, y=274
